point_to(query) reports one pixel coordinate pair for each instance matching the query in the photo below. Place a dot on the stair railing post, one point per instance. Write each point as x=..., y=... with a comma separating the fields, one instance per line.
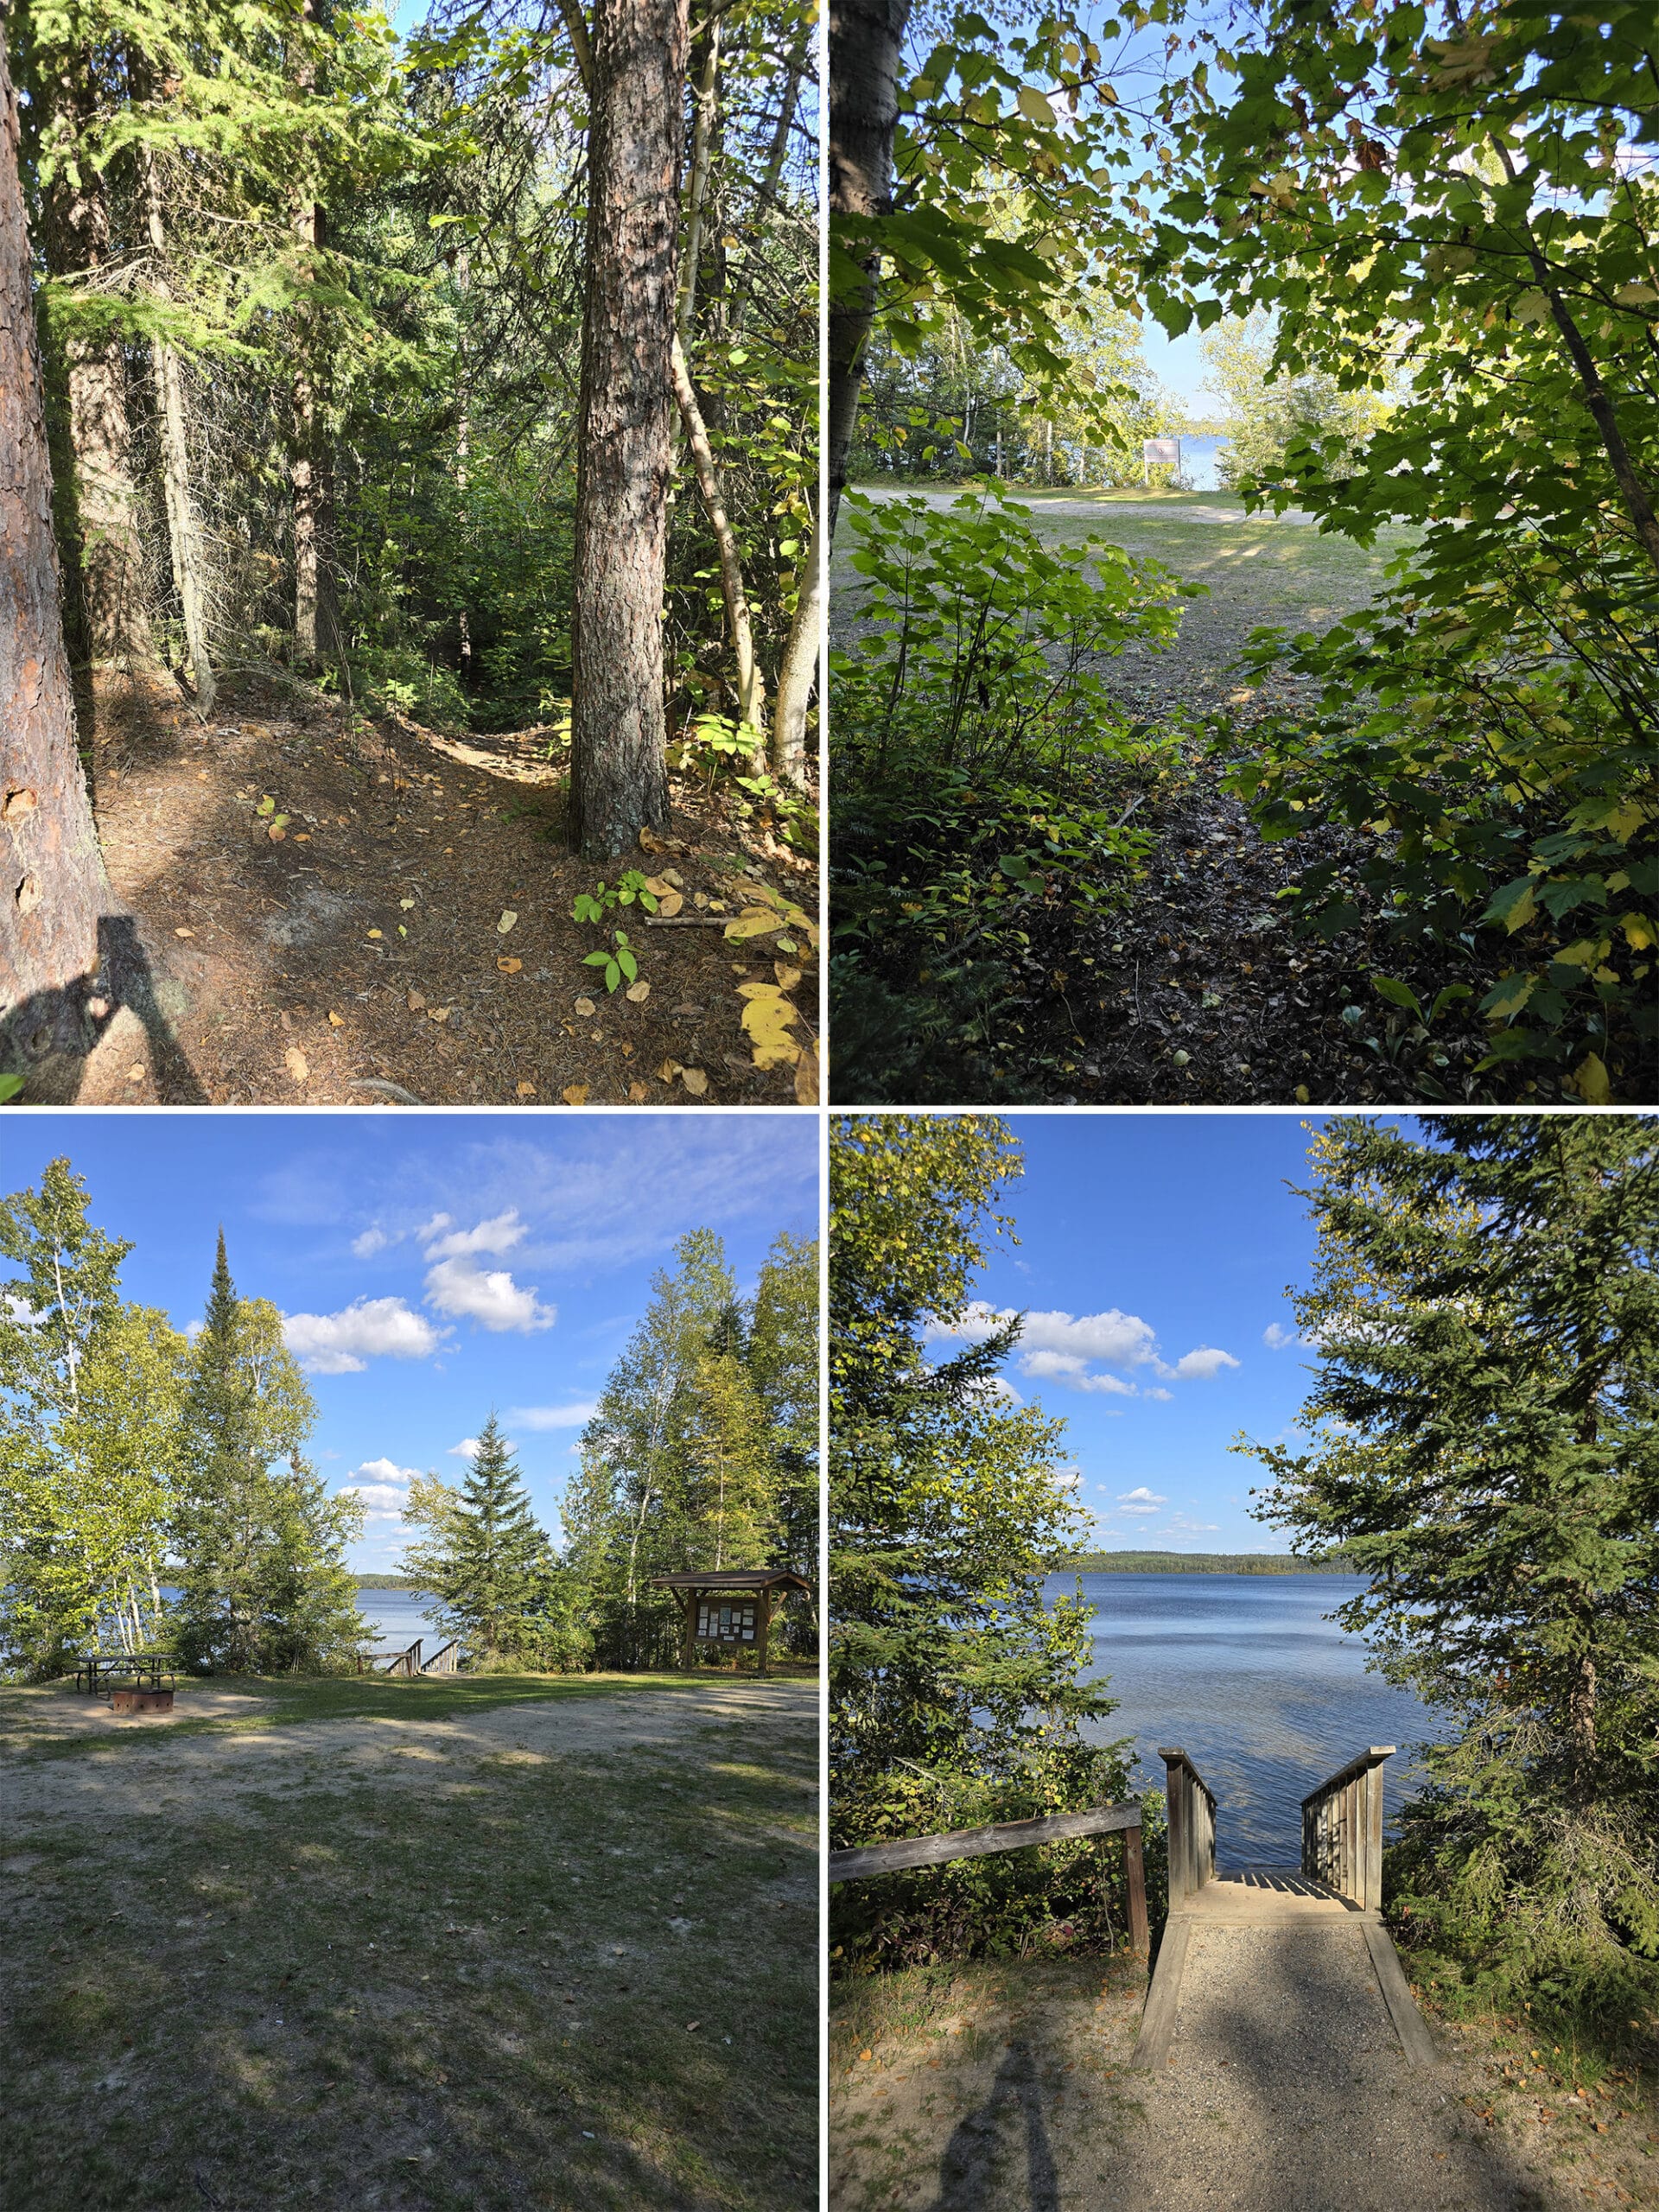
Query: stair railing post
x=1135, y=1867
x=1176, y=1803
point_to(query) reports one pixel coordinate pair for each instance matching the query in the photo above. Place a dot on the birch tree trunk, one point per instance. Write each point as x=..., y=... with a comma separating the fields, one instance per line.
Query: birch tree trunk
x=52, y=883
x=310, y=470
x=750, y=693
x=618, y=777
x=866, y=38
x=798, y=670
x=103, y=527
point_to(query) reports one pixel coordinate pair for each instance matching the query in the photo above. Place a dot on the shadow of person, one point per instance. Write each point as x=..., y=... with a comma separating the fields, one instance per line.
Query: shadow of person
x=976, y=2142
x=60, y=1041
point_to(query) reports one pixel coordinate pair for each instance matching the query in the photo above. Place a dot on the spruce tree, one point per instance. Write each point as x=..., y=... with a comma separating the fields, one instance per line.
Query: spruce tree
x=486, y=1559
x=1482, y=1437
x=263, y=1587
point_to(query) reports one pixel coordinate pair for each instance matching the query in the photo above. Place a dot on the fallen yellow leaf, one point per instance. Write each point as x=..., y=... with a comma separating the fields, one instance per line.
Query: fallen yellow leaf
x=293, y=1061
x=669, y=903
x=668, y=1071
x=335, y=1021
x=574, y=1094
x=806, y=1078
x=374, y=932
x=787, y=976
x=639, y=992
x=416, y=1004
x=695, y=1081
x=276, y=834
x=585, y=1006
x=505, y=923
x=184, y=932
x=136, y=1073
x=526, y=1090
x=438, y=1013
x=753, y=921
x=510, y=967
x=637, y=1091
x=405, y=904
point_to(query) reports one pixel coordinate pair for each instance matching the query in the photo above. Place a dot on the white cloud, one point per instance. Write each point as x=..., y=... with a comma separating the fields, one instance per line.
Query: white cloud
x=466, y=1449
x=1108, y=1383
x=498, y=1235
x=382, y=1487
x=491, y=1296
x=1165, y=1396
x=1277, y=1338
x=371, y=1241
x=1118, y=1339
x=1140, y=1500
x=1207, y=1360
x=370, y=1328
x=571, y=1416
x=1140, y=1509
x=1181, y=1524
x=1070, y=1478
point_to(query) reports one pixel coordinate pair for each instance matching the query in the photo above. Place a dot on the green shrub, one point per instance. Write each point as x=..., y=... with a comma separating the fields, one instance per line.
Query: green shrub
x=985, y=779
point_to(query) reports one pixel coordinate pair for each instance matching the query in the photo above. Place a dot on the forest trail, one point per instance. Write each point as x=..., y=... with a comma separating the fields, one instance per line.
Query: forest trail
x=357, y=955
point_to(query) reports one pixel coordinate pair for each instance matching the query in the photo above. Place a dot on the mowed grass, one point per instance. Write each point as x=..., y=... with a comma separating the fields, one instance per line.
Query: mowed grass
x=1257, y=572
x=516, y=1941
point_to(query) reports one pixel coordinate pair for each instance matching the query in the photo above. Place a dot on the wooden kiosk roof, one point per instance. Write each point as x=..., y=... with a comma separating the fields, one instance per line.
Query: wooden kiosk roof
x=735, y=1577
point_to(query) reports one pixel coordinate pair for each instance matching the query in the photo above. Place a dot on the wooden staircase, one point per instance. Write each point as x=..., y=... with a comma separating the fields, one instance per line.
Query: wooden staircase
x=1337, y=1890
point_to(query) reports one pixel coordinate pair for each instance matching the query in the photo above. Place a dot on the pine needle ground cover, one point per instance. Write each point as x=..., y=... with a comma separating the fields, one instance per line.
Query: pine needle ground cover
x=507, y=1941
x=361, y=944
x=1187, y=985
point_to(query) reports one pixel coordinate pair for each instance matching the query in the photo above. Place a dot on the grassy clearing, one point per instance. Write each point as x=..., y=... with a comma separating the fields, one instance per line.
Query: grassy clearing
x=1001, y=2085
x=1261, y=571
x=428, y=1946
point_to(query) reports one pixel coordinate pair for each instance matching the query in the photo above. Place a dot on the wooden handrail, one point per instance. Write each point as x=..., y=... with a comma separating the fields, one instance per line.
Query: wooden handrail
x=446, y=1660
x=863, y=1859
x=1191, y=1827
x=1342, y=1829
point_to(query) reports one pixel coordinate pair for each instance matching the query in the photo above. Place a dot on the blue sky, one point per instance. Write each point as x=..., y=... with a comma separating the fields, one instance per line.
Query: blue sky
x=432, y=1267
x=1154, y=1251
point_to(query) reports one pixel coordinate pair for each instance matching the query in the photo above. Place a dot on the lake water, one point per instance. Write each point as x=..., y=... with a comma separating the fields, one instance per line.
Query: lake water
x=1264, y=1695
x=394, y=1618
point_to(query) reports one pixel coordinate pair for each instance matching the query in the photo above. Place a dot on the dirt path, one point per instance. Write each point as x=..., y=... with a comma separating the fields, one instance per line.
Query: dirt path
x=1008, y=2086
x=355, y=953
x=1286, y=2091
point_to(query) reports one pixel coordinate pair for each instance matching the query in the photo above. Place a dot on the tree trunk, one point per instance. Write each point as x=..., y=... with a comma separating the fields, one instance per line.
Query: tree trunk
x=618, y=777
x=104, y=533
x=751, y=693
x=795, y=674
x=53, y=888
x=310, y=470
x=702, y=141
x=866, y=37
x=183, y=539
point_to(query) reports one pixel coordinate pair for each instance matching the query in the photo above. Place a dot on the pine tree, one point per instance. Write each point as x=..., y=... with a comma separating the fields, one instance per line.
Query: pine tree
x=488, y=1559
x=264, y=1586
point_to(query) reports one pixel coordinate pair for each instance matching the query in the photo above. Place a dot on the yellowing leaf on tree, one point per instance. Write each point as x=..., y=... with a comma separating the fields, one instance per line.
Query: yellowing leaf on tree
x=1636, y=295
x=1512, y=994
x=1532, y=306
x=1034, y=106
x=1590, y=1080
x=1638, y=931
x=1588, y=952
x=1523, y=911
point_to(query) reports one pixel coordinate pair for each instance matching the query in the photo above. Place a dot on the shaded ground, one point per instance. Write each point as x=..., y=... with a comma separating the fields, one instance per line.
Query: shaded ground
x=1006, y=2087
x=513, y=1941
x=359, y=953
x=1196, y=991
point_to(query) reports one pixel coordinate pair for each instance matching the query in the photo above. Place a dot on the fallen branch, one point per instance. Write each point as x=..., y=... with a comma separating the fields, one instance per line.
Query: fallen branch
x=690, y=921
x=393, y=1090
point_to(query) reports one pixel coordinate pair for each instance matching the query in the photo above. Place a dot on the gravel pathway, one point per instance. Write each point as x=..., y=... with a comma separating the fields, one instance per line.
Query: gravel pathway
x=1286, y=2091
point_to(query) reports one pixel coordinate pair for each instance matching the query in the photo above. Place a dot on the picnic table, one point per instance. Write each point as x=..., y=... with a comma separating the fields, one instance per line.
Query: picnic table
x=100, y=1671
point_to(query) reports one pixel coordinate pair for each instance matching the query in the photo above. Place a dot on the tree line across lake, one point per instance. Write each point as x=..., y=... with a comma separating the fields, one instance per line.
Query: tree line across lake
x=1332, y=1562
x=158, y=1490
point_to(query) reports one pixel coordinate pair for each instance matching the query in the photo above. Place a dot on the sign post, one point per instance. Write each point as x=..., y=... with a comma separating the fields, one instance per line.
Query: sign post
x=1161, y=452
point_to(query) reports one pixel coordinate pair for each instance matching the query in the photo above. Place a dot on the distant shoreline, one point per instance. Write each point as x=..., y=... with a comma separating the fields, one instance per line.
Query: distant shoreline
x=1199, y=1563
x=387, y=1582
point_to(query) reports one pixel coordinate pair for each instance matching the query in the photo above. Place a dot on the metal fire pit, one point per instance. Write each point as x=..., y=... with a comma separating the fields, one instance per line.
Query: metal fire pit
x=134, y=1700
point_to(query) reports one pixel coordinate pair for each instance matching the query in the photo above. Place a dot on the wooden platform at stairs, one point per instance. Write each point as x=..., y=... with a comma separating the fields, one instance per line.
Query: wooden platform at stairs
x=1281, y=1899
